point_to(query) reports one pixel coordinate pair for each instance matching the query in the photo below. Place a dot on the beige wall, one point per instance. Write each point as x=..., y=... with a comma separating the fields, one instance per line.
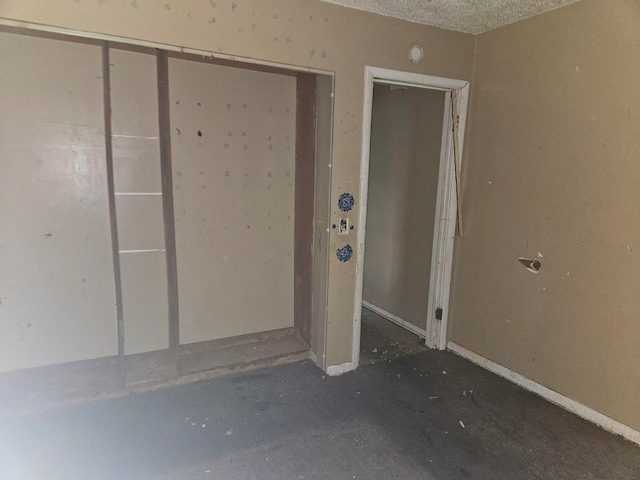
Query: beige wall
x=406, y=132
x=306, y=33
x=552, y=168
x=233, y=150
x=56, y=271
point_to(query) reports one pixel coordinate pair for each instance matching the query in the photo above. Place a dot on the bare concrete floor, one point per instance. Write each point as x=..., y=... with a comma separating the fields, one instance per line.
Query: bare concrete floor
x=425, y=415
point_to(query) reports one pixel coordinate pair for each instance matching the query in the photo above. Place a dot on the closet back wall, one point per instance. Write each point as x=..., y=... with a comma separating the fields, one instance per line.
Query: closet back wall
x=233, y=145
x=233, y=158
x=56, y=267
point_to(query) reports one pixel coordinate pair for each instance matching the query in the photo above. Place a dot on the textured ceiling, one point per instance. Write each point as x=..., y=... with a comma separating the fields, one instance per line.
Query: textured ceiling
x=470, y=16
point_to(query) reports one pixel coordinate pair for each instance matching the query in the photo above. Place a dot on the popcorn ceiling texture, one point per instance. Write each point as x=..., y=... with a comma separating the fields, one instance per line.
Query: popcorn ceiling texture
x=469, y=16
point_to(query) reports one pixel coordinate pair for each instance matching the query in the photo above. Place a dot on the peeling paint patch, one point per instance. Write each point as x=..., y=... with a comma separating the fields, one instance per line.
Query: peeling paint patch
x=530, y=264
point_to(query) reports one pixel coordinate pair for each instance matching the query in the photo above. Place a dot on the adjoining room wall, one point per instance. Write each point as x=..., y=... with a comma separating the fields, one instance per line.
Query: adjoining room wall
x=406, y=131
x=552, y=174
x=233, y=154
x=56, y=270
x=307, y=34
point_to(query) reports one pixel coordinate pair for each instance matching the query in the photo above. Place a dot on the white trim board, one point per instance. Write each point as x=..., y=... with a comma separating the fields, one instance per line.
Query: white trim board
x=397, y=320
x=577, y=408
x=335, y=370
x=446, y=206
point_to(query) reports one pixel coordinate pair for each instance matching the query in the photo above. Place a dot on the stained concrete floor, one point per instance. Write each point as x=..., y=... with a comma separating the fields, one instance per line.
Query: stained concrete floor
x=409, y=413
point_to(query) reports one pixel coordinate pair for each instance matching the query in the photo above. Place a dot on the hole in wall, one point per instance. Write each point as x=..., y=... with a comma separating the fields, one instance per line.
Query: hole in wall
x=530, y=264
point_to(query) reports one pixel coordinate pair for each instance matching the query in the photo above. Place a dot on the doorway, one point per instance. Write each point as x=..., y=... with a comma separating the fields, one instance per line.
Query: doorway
x=409, y=205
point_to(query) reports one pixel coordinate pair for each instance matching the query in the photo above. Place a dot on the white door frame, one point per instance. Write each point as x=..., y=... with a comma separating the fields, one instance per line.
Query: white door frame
x=446, y=202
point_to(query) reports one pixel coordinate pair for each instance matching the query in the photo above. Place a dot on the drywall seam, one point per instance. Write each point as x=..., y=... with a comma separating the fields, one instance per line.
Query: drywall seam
x=397, y=320
x=573, y=406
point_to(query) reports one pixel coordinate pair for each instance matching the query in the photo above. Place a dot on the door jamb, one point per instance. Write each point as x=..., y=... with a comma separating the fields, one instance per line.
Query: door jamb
x=446, y=202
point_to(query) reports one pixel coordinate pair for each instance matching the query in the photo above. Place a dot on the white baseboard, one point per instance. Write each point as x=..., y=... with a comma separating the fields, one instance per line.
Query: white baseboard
x=583, y=411
x=398, y=321
x=335, y=370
